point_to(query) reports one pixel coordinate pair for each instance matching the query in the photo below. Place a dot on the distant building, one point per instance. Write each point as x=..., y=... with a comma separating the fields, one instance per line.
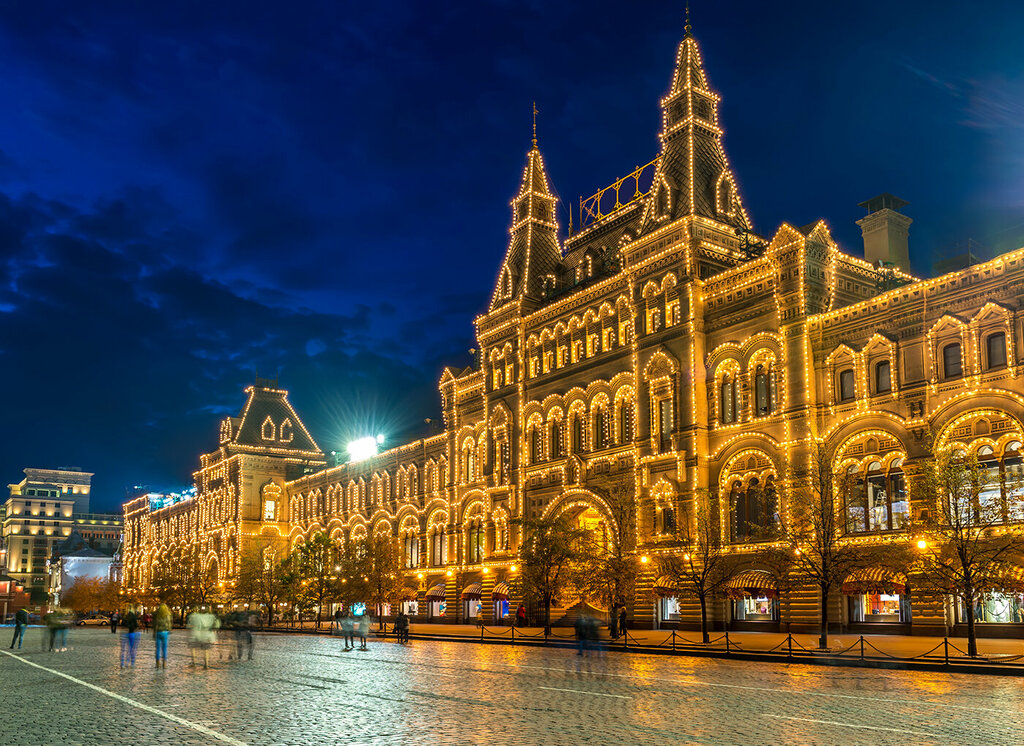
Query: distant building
x=42, y=511
x=74, y=559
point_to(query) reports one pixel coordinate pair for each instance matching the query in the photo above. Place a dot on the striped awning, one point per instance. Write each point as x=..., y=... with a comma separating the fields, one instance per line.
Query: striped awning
x=875, y=580
x=435, y=594
x=471, y=591
x=756, y=583
x=500, y=592
x=665, y=587
x=406, y=594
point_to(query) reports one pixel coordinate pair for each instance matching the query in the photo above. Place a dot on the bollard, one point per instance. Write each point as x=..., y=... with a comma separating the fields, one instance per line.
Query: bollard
x=727, y=642
x=789, y=638
x=862, y=647
x=945, y=646
x=673, y=641
x=481, y=633
x=513, y=635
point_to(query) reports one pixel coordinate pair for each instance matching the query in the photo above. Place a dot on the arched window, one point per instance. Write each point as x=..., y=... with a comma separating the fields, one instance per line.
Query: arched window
x=438, y=550
x=412, y=551
x=557, y=439
x=952, y=362
x=847, y=390
x=995, y=348
x=626, y=433
x=577, y=434
x=534, y=444
x=665, y=425
x=875, y=497
x=727, y=399
x=883, y=377
x=762, y=391
x=754, y=509
x=600, y=429
x=476, y=541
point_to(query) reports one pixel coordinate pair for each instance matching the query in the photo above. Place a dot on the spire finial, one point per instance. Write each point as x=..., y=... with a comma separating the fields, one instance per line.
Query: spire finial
x=534, y=124
x=687, y=27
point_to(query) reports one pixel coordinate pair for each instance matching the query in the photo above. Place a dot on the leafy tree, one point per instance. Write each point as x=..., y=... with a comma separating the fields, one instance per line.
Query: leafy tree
x=965, y=528
x=84, y=595
x=316, y=563
x=703, y=570
x=820, y=556
x=183, y=581
x=608, y=567
x=550, y=547
x=381, y=569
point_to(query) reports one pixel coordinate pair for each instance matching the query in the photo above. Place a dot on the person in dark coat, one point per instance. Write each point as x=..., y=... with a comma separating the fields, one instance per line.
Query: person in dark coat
x=402, y=628
x=20, y=622
x=622, y=620
x=114, y=619
x=613, y=625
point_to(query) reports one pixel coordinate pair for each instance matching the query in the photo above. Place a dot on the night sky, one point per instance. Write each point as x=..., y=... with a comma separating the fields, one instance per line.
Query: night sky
x=194, y=192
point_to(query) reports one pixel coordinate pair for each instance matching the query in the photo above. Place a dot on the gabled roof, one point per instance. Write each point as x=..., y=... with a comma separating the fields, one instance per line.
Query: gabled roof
x=268, y=420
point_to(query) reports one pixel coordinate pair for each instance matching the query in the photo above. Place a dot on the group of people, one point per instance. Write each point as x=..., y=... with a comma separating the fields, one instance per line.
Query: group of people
x=350, y=626
x=202, y=625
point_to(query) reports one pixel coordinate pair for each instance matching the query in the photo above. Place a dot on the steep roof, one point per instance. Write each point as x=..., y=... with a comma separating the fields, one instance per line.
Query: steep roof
x=268, y=420
x=693, y=176
x=533, y=248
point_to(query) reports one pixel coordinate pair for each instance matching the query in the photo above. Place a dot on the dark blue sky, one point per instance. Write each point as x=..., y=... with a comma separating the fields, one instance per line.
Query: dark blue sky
x=193, y=191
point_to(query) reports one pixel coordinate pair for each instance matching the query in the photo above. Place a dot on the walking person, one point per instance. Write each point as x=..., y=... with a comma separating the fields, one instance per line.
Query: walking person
x=203, y=625
x=161, y=632
x=337, y=621
x=347, y=631
x=114, y=619
x=20, y=623
x=613, y=624
x=51, y=627
x=364, y=630
x=622, y=620
x=130, y=637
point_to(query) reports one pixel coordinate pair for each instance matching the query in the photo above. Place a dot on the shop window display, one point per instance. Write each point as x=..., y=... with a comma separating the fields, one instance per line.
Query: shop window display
x=879, y=608
x=996, y=608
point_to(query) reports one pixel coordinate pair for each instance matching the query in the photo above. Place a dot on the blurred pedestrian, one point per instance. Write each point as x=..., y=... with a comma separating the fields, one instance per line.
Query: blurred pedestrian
x=622, y=620
x=161, y=632
x=20, y=623
x=521, y=616
x=402, y=628
x=613, y=625
x=203, y=626
x=364, y=630
x=347, y=630
x=243, y=635
x=337, y=621
x=582, y=638
x=147, y=619
x=114, y=619
x=130, y=636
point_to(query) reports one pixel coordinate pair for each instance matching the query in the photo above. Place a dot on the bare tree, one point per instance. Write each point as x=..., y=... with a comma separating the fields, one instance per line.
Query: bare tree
x=609, y=565
x=703, y=570
x=967, y=528
x=820, y=556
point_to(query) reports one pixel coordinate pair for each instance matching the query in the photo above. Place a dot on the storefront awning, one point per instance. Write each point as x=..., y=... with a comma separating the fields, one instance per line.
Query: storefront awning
x=406, y=594
x=471, y=591
x=875, y=580
x=500, y=591
x=665, y=587
x=752, y=583
x=435, y=594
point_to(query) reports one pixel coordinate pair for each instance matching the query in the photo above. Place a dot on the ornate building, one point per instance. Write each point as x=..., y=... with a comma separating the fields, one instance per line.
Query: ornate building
x=662, y=348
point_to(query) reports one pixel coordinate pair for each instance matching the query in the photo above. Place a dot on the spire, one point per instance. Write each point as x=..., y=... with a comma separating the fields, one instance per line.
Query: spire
x=693, y=175
x=534, y=124
x=686, y=28
x=533, y=248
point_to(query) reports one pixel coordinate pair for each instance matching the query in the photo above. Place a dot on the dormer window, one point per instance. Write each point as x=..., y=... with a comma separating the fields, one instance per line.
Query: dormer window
x=268, y=431
x=286, y=431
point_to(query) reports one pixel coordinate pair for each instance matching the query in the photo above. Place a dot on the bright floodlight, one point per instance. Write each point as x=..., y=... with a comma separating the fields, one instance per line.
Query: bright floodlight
x=362, y=449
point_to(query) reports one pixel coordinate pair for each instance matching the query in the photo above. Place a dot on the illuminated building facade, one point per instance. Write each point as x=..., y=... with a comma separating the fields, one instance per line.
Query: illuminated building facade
x=663, y=347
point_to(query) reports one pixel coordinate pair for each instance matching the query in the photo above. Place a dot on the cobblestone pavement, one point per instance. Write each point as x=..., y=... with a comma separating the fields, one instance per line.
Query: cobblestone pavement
x=302, y=689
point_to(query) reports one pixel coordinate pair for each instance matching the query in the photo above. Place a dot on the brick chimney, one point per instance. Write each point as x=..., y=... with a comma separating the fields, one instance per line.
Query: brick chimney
x=885, y=231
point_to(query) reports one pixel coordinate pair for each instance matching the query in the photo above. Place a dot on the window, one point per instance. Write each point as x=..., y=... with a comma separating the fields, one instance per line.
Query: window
x=665, y=425
x=557, y=440
x=438, y=555
x=846, y=388
x=883, y=377
x=754, y=509
x=952, y=364
x=762, y=392
x=534, y=444
x=654, y=321
x=269, y=509
x=995, y=347
x=626, y=423
x=412, y=551
x=577, y=434
x=477, y=541
x=600, y=429
x=875, y=498
x=727, y=400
